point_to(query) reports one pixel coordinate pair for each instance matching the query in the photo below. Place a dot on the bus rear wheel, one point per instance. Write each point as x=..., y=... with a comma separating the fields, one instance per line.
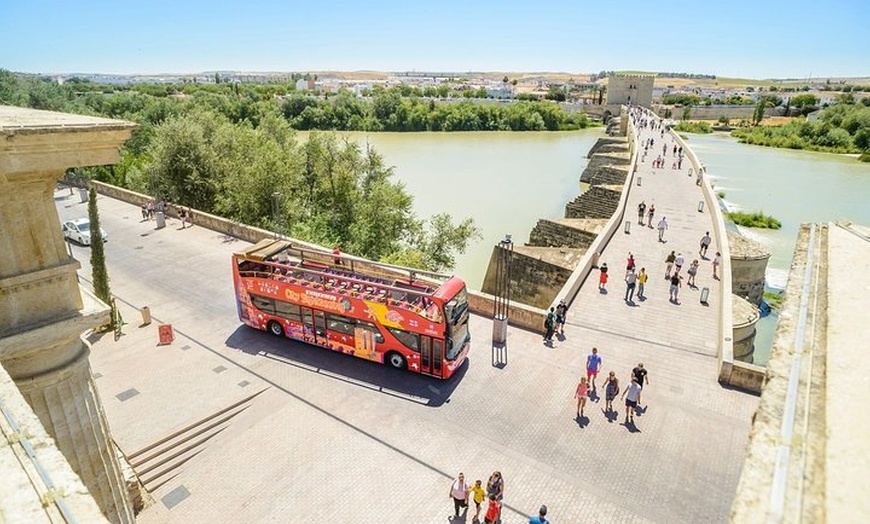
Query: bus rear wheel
x=395, y=360
x=275, y=328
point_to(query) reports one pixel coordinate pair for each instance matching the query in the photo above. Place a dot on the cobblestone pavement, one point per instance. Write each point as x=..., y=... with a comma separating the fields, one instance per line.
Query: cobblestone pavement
x=338, y=439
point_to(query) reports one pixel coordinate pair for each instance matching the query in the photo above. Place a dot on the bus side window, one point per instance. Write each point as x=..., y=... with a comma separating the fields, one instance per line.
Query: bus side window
x=409, y=340
x=368, y=326
x=340, y=324
x=288, y=310
x=266, y=305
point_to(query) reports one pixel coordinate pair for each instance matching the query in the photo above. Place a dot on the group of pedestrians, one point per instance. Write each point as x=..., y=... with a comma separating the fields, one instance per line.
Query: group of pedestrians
x=555, y=322
x=461, y=492
x=150, y=208
x=587, y=390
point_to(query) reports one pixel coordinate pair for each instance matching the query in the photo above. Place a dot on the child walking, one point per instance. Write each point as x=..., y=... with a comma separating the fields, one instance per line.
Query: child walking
x=478, y=493
x=580, y=394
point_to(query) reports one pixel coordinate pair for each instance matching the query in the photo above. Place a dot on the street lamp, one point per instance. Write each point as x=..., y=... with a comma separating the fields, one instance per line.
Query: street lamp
x=502, y=299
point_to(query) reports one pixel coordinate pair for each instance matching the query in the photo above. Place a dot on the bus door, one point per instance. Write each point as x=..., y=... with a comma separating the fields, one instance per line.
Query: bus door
x=431, y=356
x=315, y=324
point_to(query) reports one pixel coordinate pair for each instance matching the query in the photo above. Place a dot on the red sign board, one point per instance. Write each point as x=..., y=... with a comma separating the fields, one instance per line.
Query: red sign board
x=166, y=334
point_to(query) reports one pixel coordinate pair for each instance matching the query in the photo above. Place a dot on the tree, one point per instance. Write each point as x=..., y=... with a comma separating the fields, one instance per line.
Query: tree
x=758, y=115
x=98, y=259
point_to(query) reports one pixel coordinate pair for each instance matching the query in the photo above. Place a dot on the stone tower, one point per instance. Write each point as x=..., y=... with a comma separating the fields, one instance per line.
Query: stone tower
x=748, y=266
x=43, y=313
x=630, y=89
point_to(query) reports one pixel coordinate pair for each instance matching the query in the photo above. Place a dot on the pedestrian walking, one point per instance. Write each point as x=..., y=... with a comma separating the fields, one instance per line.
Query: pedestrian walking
x=676, y=282
x=629, y=262
x=650, y=213
x=182, y=215
x=716, y=261
x=663, y=226
x=593, y=365
x=580, y=394
x=459, y=493
x=705, y=243
x=641, y=212
x=630, y=284
x=678, y=263
x=336, y=256
x=561, y=311
x=492, y=511
x=632, y=397
x=611, y=389
x=144, y=211
x=495, y=485
x=693, y=270
x=541, y=518
x=549, y=325
x=602, y=278
x=478, y=495
x=669, y=264
x=640, y=374
x=641, y=282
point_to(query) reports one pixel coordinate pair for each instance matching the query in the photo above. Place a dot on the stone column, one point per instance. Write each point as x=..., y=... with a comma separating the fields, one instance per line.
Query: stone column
x=42, y=311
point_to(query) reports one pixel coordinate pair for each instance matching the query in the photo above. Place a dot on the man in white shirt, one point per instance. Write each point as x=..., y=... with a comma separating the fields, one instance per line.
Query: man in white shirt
x=631, y=394
x=663, y=226
x=459, y=493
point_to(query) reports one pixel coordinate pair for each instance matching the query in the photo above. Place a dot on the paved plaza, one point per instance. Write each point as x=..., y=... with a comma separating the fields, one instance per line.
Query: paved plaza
x=331, y=438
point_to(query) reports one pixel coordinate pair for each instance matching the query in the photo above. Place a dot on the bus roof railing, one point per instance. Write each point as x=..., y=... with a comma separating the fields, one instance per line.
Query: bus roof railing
x=268, y=248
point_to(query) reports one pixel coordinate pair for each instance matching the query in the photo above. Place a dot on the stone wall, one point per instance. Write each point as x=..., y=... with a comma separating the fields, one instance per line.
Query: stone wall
x=597, y=202
x=744, y=317
x=537, y=274
x=713, y=112
x=608, y=143
x=565, y=232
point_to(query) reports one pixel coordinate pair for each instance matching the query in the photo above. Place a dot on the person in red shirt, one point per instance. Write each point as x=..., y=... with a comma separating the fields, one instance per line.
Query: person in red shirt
x=336, y=256
x=492, y=512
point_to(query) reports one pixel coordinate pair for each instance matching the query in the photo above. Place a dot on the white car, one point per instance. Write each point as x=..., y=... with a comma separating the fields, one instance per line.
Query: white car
x=80, y=231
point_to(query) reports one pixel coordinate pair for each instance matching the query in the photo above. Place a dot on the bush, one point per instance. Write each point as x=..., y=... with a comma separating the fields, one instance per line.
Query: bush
x=694, y=127
x=757, y=219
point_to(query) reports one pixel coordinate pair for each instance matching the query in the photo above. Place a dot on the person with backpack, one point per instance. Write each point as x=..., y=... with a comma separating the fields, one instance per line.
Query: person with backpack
x=549, y=326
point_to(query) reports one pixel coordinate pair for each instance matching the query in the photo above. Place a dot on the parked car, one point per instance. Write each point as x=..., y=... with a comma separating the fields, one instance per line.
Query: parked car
x=79, y=230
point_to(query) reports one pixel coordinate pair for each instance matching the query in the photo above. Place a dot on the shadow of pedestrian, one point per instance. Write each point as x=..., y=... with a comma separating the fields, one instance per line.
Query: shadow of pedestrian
x=611, y=415
x=602, y=291
x=629, y=425
x=640, y=410
x=582, y=421
x=630, y=303
x=593, y=395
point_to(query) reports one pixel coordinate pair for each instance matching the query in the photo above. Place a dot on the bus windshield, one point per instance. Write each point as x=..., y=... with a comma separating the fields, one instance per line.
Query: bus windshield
x=456, y=311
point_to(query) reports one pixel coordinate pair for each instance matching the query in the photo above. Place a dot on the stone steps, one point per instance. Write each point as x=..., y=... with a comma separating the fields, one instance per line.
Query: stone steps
x=598, y=202
x=160, y=461
x=571, y=233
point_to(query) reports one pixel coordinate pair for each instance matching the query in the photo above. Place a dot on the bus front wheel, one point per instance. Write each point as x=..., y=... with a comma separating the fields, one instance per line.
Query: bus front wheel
x=395, y=360
x=276, y=329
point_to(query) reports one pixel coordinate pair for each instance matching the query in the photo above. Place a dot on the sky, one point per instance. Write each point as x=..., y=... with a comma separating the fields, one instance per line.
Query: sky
x=738, y=38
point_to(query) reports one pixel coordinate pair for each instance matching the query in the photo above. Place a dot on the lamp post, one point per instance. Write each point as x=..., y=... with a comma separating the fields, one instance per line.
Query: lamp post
x=502, y=300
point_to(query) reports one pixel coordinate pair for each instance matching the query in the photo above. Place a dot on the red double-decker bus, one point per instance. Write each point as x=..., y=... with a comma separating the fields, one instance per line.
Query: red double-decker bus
x=396, y=316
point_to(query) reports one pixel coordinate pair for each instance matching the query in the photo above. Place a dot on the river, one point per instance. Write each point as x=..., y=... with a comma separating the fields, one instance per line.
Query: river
x=792, y=186
x=507, y=181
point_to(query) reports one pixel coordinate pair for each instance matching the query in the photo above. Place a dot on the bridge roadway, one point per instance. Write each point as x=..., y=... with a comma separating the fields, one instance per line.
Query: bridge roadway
x=338, y=439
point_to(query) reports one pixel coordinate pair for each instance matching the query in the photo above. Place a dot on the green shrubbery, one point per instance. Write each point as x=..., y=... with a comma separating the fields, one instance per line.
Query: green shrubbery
x=843, y=128
x=694, y=127
x=756, y=219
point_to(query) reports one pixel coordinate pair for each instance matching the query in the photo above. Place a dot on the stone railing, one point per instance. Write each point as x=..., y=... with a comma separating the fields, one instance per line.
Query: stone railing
x=581, y=272
x=731, y=372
